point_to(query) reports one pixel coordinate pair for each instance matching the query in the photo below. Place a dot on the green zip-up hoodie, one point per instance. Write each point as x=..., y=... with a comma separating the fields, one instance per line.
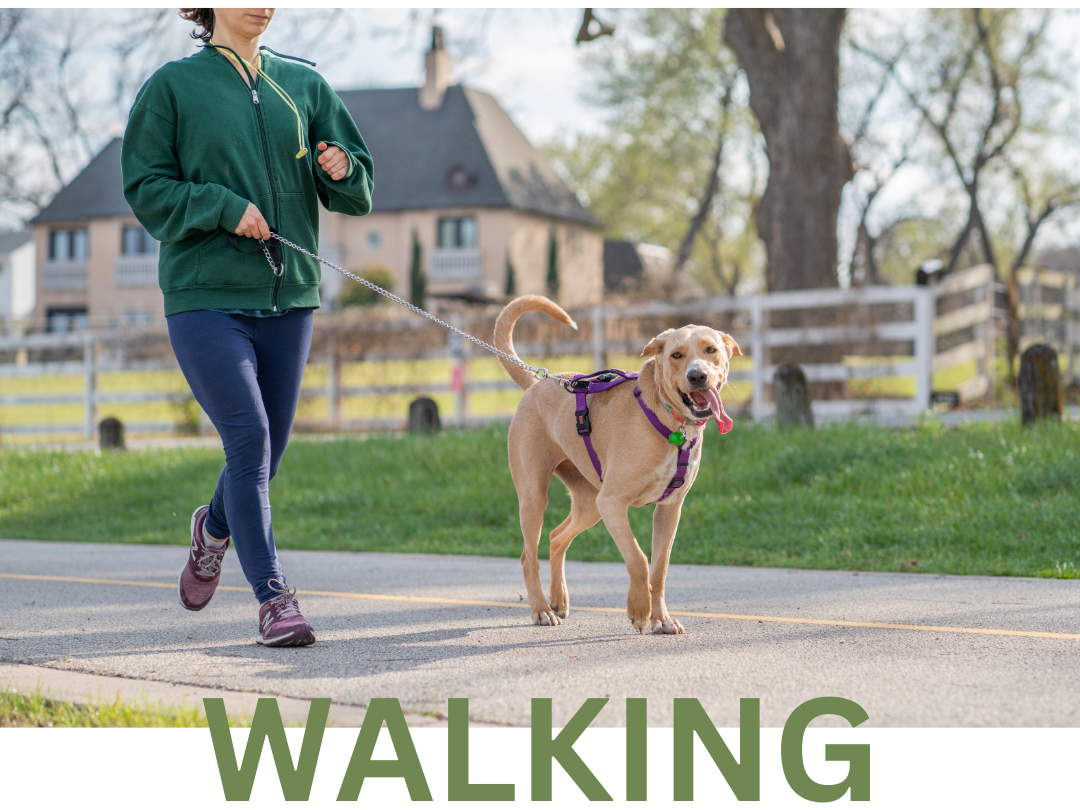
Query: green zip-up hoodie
x=200, y=145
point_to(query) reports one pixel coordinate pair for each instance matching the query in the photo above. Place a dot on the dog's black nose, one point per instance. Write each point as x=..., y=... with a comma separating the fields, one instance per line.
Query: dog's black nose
x=697, y=377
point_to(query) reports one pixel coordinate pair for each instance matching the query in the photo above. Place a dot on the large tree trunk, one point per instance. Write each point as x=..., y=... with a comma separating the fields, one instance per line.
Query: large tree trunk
x=792, y=62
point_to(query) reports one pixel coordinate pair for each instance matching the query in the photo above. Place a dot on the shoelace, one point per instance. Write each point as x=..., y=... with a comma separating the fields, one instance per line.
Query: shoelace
x=210, y=563
x=285, y=603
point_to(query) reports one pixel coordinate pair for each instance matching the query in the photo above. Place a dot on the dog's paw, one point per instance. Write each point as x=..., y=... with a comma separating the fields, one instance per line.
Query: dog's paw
x=668, y=627
x=562, y=611
x=545, y=618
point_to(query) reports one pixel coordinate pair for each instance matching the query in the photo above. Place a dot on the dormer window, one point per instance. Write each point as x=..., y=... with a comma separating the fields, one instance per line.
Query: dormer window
x=457, y=232
x=459, y=178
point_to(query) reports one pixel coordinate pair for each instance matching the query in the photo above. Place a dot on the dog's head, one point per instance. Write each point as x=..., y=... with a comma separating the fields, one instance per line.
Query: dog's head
x=692, y=365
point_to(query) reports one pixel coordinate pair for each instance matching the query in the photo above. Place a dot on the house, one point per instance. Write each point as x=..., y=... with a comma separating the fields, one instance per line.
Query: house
x=452, y=171
x=17, y=267
x=96, y=264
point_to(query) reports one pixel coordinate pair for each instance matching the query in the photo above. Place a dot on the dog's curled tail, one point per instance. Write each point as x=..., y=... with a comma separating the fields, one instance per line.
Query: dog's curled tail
x=504, y=331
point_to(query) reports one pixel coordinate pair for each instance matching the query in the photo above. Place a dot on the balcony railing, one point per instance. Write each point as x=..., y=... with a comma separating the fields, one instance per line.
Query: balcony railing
x=456, y=264
x=64, y=275
x=136, y=271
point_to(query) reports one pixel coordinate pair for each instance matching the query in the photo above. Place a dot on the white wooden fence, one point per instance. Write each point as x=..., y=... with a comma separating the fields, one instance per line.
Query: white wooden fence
x=1048, y=311
x=922, y=328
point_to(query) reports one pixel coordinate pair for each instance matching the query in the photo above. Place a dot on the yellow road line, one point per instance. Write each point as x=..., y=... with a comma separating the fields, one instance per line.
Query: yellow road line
x=383, y=597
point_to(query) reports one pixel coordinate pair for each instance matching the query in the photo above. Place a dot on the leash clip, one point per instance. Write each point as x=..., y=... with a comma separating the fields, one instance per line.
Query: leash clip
x=541, y=373
x=273, y=255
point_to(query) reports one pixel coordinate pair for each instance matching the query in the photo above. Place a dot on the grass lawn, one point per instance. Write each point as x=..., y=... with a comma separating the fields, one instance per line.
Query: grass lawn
x=983, y=499
x=37, y=711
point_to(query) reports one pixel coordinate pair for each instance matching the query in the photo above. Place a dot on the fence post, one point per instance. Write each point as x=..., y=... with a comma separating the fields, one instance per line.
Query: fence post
x=333, y=376
x=599, y=347
x=457, y=378
x=988, y=334
x=89, y=387
x=757, y=351
x=924, y=346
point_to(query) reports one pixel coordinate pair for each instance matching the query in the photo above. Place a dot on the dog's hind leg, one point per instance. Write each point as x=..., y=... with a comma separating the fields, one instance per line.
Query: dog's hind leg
x=583, y=515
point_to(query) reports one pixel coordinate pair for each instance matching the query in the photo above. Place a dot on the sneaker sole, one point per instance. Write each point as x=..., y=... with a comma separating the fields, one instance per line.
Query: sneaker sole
x=291, y=639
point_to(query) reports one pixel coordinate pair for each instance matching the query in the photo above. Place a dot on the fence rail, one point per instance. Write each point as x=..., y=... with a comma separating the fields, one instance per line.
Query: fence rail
x=864, y=341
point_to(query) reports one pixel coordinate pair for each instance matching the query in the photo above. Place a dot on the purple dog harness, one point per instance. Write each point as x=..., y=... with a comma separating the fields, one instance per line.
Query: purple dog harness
x=584, y=384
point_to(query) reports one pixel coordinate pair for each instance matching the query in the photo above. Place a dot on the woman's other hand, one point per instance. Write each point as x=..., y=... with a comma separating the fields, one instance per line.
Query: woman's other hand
x=253, y=224
x=334, y=161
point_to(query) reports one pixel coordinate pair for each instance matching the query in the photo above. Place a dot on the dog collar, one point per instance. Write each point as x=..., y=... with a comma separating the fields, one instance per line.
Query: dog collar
x=678, y=417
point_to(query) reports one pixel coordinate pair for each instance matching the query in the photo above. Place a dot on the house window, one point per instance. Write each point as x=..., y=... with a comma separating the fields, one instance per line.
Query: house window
x=374, y=239
x=69, y=245
x=67, y=319
x=137, y=241
x=457, y=232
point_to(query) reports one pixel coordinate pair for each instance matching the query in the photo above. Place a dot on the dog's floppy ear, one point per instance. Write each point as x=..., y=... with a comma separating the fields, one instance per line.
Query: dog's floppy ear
x=656, y=345
x=733, y=347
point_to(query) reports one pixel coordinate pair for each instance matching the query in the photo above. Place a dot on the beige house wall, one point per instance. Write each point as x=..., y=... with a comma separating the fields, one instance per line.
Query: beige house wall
x=501, y=233
x=106, y=304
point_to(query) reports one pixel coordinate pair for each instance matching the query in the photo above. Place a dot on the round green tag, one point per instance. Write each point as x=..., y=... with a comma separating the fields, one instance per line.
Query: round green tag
x=676, y=438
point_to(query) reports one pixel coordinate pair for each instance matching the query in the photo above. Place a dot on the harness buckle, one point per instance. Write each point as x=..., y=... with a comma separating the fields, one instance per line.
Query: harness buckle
x=584, y=425
x=580, y=384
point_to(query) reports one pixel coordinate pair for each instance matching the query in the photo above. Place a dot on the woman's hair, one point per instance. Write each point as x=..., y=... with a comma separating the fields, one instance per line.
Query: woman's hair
x=202, y=17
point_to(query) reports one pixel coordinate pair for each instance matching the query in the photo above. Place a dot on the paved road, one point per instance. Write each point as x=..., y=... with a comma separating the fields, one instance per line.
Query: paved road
x=423, y=651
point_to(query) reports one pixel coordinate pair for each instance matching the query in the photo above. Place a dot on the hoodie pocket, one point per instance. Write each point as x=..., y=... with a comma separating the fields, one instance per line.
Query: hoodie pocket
x=220, y=265
x=298, y=213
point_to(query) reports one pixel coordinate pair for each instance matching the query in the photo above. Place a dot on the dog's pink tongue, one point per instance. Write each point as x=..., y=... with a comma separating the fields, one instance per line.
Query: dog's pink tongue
x=723, y=421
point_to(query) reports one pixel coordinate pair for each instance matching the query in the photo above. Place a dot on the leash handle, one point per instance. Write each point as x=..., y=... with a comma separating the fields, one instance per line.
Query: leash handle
x=272, y=251
x=539, y=373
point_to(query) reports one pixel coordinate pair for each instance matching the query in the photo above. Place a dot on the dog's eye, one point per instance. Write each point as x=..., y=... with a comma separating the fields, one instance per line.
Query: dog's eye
x=711, y=350
x=676, y=355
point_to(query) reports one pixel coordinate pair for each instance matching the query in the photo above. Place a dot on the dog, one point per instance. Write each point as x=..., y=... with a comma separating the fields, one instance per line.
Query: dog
x=685, y=370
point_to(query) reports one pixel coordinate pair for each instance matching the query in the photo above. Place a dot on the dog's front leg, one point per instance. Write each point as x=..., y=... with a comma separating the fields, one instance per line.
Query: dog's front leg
x=638, y=602
x=664, y=524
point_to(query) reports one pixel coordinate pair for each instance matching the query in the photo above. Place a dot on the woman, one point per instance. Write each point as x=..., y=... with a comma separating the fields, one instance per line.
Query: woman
x=215, y=157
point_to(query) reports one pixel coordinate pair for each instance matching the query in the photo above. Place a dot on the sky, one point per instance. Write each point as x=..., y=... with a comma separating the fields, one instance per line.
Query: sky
x=526, y=58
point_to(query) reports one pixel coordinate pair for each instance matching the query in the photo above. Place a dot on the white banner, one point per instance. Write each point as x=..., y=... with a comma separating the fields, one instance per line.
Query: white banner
x=909, y=768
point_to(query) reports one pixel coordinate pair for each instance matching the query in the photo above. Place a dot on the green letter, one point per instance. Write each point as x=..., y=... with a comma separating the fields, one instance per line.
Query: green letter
x=266, y=724
x=858, y=756
x=744, y=778
x=637, y=756
x=458, y=762
x=406, y=766
x=545, y=749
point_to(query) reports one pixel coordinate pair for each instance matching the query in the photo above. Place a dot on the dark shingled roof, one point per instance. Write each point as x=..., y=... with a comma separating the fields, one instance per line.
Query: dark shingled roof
x=13, y=240
x=97, y=191
x=416, y=152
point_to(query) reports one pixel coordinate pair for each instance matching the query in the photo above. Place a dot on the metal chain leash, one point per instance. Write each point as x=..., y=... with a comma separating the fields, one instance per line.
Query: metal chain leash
x=540, y=373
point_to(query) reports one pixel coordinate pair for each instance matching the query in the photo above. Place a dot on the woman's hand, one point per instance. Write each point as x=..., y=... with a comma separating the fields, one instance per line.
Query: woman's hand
x=253, y=224
x=334, y=161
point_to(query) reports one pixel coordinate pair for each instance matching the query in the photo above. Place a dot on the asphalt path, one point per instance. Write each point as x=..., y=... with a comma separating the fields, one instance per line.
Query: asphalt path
x=914, y=650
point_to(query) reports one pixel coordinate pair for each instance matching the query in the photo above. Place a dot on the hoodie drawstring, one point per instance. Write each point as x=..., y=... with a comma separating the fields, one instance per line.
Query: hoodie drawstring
x=277, y=89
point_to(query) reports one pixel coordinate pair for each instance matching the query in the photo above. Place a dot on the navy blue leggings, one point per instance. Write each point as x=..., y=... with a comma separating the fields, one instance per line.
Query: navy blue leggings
x=245, y=372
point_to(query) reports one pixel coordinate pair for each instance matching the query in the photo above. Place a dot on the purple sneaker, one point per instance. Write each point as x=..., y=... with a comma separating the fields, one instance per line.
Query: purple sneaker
x=200, y=576
x=280, y=621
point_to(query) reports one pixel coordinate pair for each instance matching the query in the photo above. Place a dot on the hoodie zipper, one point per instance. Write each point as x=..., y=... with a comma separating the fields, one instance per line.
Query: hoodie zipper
x=269, y=172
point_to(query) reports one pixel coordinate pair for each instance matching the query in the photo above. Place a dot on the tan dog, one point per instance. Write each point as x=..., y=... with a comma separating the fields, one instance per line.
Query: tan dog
x=687, y=367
